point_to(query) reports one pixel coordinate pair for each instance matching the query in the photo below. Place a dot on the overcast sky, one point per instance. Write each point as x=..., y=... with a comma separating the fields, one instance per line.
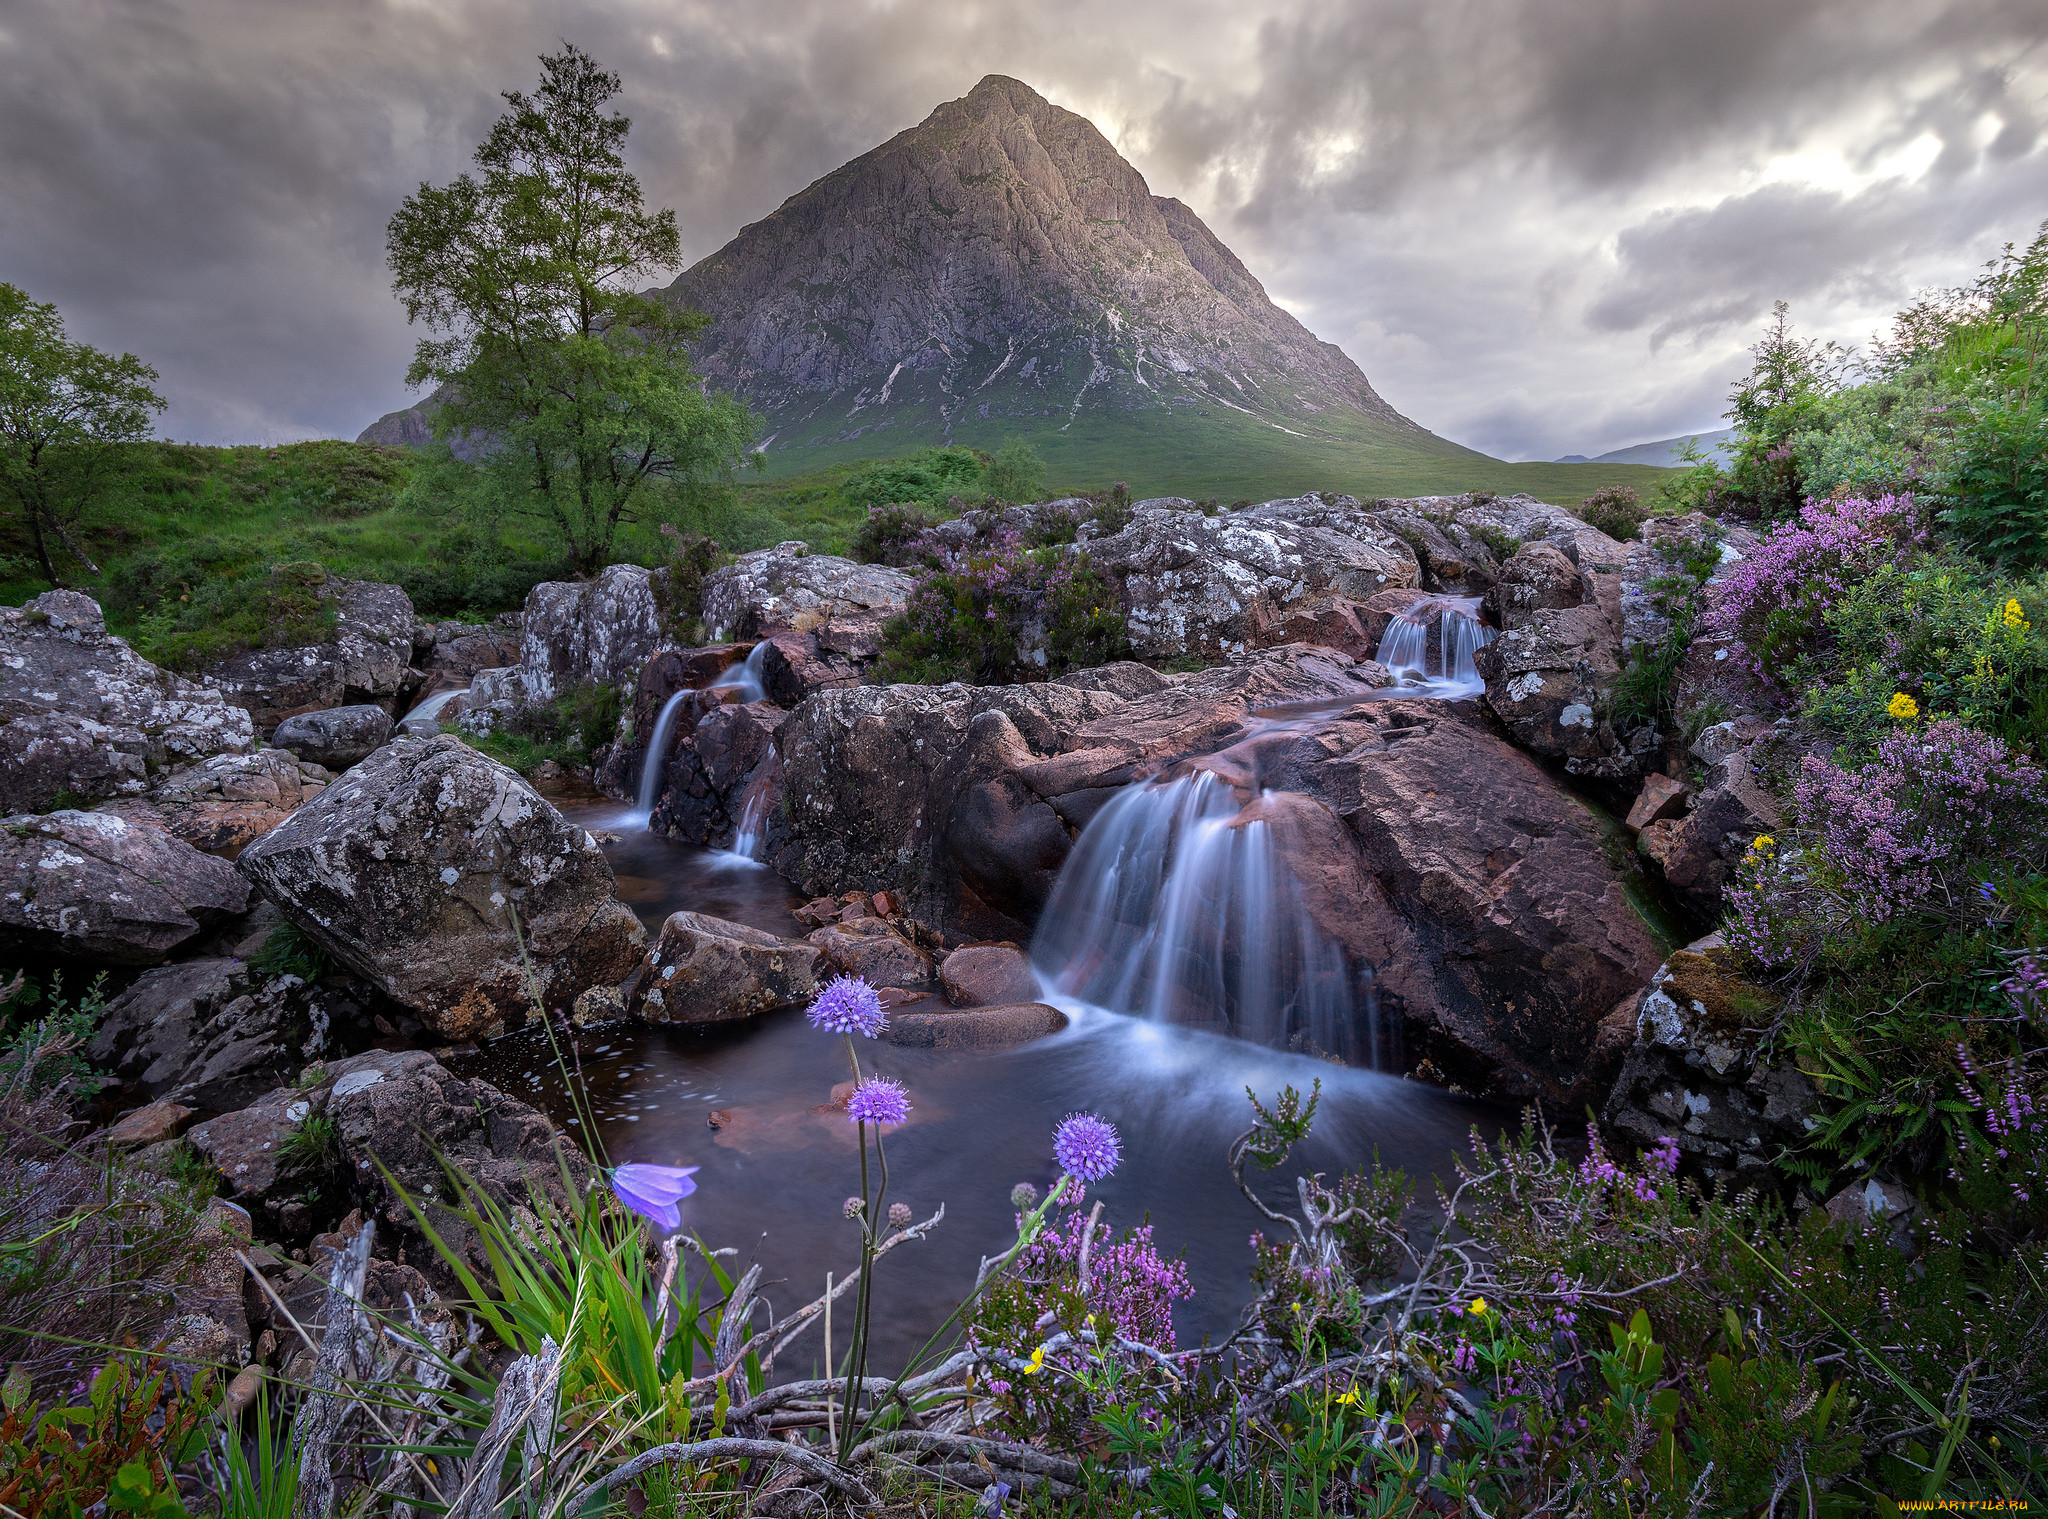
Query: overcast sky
x=1539, y=226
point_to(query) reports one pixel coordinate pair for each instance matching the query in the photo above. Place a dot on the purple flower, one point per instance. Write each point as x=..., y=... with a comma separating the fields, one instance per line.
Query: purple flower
x=1086, y=1147
x=653, y=1191
x=848, y=1006
x=879, y=1101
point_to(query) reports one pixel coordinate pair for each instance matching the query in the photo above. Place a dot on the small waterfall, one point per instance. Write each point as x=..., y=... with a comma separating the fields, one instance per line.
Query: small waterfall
x=1405, y=646
x=746, y=840
x=1174, y=907
x=655, y=766
x=745, y=676
x=424, y=720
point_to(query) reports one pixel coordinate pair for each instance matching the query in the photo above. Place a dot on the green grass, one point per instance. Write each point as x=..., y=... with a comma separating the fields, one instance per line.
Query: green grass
x=188, y=537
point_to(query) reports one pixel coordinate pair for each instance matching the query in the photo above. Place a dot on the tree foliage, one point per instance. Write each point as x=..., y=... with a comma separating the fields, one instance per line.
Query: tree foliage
x=581, y=389
x=65, y=410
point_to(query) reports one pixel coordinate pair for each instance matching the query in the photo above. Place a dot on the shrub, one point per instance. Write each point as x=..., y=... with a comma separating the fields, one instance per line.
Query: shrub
x=998, y=611
x=928, y=478
x=1112, y=510
x=689, y=557
x=892, y=534
x=199, y=621
x=1615, y=510
x=1016, y=473
x=1996, y=481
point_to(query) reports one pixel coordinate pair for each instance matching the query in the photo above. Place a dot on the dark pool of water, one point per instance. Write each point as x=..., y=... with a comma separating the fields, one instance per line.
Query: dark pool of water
x=781, y=1159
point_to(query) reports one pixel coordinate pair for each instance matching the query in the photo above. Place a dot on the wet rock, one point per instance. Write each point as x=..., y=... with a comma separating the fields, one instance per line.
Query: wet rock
x=962, y=799
x=1697, y=1070
x=796, y=666
x=703, y=969
x=459, y=651
x=1548, y=680
x=674, y=670
x=1190, y=583
x=601, y=630
x=368, y=660
x=874, y=951
x=336, y=737
x=980, y=1028
x=1334, y=622
x=410, y=869
x=220, y=804
x=789, y=589
x=87, y=885
x=1661, y=798
x=84, y=717
x=207, y=1033
x=987, y=975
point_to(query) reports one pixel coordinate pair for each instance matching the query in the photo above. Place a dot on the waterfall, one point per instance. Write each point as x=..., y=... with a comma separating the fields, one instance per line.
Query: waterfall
x=655, y=765
x=754, y=810
x=745, y=675
x=1173, y=907
x=1405, y=646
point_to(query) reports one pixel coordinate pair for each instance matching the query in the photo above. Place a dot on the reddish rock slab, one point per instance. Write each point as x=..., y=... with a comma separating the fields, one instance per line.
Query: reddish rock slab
x=987, y=976
x=1661, y=798
x=979, y=1028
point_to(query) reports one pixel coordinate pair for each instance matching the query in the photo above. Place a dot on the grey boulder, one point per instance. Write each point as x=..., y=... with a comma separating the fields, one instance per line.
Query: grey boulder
x=336, y=737
x=202, y=1034
x=790, y=589
x=369, y=658
x=92, y=886
x=83, y=717
x=703, y=969
x=439, y=876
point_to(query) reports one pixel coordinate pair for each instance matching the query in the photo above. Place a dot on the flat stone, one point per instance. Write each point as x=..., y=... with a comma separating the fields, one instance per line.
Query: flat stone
x=148, y=1125
x=980, y=1028
x=987, y=975
x=1661, y=798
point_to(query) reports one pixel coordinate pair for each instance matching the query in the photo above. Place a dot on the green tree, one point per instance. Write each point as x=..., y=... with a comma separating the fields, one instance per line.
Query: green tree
x=65, y=410
x=1017, y=473
x=581, y=389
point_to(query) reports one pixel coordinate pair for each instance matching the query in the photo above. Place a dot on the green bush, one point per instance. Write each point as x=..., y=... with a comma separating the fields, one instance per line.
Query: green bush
x=1615, y=510
x=928, y=478
x=1996, y=482
x=680, y=589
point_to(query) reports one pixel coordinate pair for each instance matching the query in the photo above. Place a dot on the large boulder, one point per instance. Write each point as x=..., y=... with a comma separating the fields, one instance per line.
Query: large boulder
x=452, y=653
x=1699, y=1070
x=788, y=589
x=1207, y=585
x=987, y=975
x=601, y=630
x=703, y=969
x=95, y=887
x=336, y=737
x=368, y=659
x=438, y=876
x=220, y=804
x=83, y=717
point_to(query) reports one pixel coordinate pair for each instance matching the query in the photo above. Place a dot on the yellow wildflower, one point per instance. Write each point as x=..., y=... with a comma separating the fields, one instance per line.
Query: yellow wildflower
x=2014, y=617
x=1763, y=843
x=1903, y=707
x=1352, y=1397
x=1479, y=1306
x=1036, y=1363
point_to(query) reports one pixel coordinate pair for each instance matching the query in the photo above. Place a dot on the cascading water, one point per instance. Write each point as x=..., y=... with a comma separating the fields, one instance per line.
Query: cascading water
x=1405, y=646
x=745, y=676
x=746, y=839
x=655, y=766
x=1176, y=907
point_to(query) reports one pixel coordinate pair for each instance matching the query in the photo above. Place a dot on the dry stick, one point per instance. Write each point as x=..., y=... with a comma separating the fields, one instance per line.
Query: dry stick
x=831, y=1434
x=299, y=1329
x=802, y=1457
x=1087, y=1239
x=807, y=1315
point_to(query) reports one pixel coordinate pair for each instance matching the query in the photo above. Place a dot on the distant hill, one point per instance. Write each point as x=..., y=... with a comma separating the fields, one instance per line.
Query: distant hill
x=1664, y=453
x=1000, y=270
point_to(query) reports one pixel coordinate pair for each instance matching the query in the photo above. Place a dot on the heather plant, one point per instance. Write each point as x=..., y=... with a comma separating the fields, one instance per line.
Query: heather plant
x=1616, y=511
x=997, y=611
x=893, y=533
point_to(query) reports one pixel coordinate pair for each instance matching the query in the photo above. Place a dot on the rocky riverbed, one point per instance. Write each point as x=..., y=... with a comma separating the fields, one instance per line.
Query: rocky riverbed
x=1358, y=809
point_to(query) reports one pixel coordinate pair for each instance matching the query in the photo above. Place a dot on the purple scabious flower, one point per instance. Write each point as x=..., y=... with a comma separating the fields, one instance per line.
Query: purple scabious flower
x=1086, y=1146
x=879, y=1101
x=848, y=1006
x=653, y=1191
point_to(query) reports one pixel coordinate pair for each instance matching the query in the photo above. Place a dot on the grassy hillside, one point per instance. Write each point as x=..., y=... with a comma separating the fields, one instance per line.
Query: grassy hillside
x=189, y=540
x=1229, y=456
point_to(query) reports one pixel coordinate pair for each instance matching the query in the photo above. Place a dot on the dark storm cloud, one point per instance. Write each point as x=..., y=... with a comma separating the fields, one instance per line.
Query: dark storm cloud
x=1539, y=225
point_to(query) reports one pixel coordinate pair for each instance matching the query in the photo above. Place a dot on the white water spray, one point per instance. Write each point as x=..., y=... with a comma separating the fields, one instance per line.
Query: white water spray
x=745, y=676
x=1405, y=646
x=655, y=766
x=1176, y=908
x=746, y=840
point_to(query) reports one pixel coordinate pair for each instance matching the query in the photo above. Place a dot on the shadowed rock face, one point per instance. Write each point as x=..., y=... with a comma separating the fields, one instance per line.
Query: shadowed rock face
x=92, y=886
x=410, y=871
x=83, y=714
x=369, y=659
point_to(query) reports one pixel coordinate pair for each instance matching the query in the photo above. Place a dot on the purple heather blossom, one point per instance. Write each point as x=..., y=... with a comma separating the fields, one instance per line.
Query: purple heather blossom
x=653, y=1191
x=879, y=1101
x=848, y=1005
x=1086, y=1147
